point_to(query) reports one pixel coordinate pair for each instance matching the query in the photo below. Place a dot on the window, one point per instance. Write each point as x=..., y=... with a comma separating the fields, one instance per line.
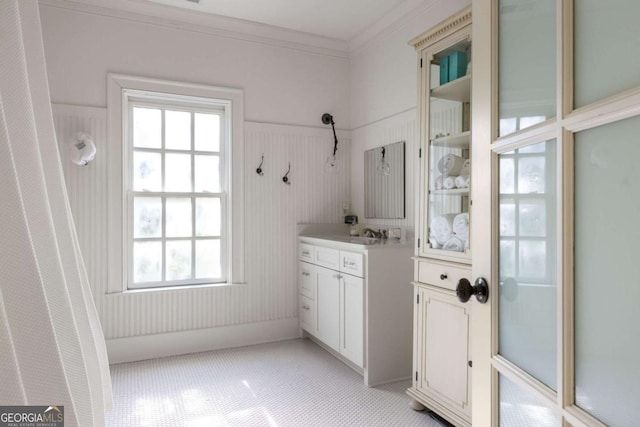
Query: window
x=177, y=168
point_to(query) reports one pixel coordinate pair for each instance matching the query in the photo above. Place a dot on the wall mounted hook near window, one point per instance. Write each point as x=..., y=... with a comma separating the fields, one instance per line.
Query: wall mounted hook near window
x=285, y=178
x=331, y=162
x=259, y=170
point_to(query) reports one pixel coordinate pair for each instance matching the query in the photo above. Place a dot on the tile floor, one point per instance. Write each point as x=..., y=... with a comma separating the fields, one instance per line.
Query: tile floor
x=290, y=383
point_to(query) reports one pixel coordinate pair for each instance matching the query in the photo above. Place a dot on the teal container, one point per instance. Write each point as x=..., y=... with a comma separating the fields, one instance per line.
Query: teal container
x=444, y=70
x=457, y=65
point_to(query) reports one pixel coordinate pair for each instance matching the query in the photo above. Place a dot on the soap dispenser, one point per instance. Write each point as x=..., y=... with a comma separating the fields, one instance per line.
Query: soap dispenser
x=353, y=221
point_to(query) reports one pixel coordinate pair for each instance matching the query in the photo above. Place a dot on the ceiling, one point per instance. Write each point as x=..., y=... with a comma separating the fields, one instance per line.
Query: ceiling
x=338, y=19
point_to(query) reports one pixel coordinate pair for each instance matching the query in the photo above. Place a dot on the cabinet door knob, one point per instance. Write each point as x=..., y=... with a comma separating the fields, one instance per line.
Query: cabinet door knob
x=443, y=276
x=480, y=289
x=304, y=273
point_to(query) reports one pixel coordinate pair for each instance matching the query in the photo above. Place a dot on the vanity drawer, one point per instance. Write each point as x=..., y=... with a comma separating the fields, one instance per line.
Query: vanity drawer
x=327, y=257
x=306, y=252
x=307, y=280
x=441, y=274
x=308, y=315
x=352, y=263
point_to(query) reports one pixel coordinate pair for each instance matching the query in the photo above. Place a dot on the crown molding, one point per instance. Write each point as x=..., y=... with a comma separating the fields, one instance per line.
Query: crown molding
x=449, y=25
x=388, y=22
x=214, y=25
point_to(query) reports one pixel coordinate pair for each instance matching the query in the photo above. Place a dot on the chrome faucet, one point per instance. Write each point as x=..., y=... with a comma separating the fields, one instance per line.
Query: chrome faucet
x=367, y=232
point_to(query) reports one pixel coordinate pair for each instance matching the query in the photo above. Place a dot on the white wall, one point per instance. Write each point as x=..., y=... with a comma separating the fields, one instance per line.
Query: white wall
x=281, y=85
x=384, y=96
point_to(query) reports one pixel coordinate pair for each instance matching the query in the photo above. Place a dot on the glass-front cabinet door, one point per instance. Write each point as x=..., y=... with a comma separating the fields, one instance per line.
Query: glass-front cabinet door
x=446, y=153
x=556, y=120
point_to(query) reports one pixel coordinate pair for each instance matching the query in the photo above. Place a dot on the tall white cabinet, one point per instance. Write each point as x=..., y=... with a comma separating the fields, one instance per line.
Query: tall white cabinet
x=441, y=358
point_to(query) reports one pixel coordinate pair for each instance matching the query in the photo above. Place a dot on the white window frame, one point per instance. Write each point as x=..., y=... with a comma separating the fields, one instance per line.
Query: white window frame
x=123, y=90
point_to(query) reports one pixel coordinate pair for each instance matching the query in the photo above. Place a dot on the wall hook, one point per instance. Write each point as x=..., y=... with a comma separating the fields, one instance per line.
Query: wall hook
x=285, y=178
x=259, y=170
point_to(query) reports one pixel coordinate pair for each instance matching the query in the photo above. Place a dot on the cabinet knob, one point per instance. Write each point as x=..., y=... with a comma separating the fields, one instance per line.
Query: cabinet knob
x=480, y=289
x=443, y=276
x=304, y=273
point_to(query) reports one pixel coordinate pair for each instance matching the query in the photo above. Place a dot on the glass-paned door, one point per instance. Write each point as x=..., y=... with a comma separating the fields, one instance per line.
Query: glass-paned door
x=554, y=225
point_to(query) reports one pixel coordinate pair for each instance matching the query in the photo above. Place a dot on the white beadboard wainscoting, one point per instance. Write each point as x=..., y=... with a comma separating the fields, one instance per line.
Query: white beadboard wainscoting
x=146, y=324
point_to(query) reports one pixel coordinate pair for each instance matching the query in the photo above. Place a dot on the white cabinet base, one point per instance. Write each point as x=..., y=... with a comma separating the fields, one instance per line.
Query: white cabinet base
x=363, y=305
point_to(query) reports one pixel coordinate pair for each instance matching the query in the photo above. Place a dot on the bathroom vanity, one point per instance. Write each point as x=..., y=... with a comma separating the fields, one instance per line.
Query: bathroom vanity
x=356, y=299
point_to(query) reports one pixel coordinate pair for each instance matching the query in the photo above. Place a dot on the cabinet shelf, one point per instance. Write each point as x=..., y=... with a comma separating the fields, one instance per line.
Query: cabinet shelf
x=457, y=90
x=452, y=192
x=461, y=140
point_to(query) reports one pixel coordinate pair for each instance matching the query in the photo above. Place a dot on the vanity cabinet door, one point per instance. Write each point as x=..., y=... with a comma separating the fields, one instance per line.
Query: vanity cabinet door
x=328, y=307
x=352, y=318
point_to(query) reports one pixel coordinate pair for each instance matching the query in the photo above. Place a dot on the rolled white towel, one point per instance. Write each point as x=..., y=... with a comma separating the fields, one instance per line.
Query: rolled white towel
x=449, y=183
x=454, y=244
x=442, y=228
x=461, y=226
x=439, y=182
x=465, y=170
x=467, y=182
x=434, y=243
x=450, y=165
x=461, y=181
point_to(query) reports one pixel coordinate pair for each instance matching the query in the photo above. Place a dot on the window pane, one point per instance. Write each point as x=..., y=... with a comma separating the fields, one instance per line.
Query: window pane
x=207, y=174
x=607, y=52
x=527, y=73
x=507, y=218
x=507, y=175
x=177, y=172
x=147, y=127
x=607, y=267
x=518, y=408
x=531, y=175
x=178, y=260
x=147, y=217
x=177, y=130
x=178, y=217
x=533, y=260
x=147, y=261
x=147, y=171
x=533, y=218
x=207, y=132
x=208, y=216
x=507, y=258
x=208, y=259
x=528, y=282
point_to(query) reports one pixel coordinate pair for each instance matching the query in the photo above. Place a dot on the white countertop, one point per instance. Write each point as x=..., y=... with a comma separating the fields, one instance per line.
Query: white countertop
x=360, y=242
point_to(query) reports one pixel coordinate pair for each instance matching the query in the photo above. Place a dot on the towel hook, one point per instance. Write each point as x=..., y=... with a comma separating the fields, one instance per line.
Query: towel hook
x=259, y=170
x=285, y=178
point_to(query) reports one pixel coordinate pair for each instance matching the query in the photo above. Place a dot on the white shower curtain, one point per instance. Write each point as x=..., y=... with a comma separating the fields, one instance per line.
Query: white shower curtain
x=52, y=350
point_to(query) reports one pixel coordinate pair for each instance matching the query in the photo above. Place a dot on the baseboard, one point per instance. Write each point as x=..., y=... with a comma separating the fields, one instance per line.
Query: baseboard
x=145, y=347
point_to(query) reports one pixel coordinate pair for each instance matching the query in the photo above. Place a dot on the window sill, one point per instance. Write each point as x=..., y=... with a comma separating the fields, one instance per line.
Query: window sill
x=178, y=288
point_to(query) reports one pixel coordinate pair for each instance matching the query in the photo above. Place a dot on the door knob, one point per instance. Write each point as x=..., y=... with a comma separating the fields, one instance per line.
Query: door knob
x=480, y=289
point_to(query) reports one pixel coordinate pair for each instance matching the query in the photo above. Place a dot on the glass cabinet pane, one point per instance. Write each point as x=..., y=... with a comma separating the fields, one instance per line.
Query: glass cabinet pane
x=518, y=408
x=449, y=156
x=527, y=70
x=528, y=283
x=607, y=52
x=607, y=208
